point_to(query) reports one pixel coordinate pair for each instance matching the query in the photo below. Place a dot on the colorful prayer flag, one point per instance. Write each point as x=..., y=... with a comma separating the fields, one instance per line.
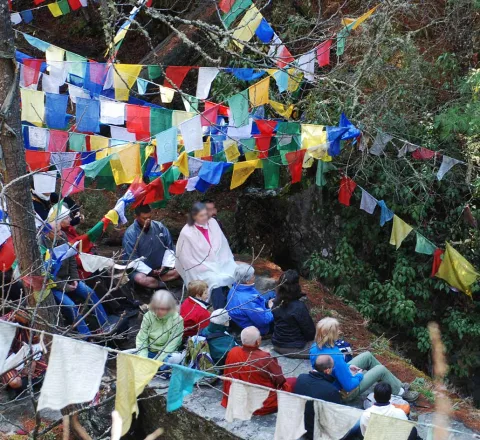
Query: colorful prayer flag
x=347, y=187
x=400, y=231
x=241, y=172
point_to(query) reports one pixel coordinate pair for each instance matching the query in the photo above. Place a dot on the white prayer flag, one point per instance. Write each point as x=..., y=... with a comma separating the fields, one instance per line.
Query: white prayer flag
x=192, y=181
x=15, y=18
x=121, y=134
x=44, y=183
x=50, y=84
x=192, y=134
x=77, y=92
x=206, y=75
x=243, y=401
x=38, y=137
x=447, y=164
x=290, y=418
x=166, y=94
x=112, y=112
x=63, y=160
x=368, y=202
x=7, y=333
x=379, y=144
x=306, y=63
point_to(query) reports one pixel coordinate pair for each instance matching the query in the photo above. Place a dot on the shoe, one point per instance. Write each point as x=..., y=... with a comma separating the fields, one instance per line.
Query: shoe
x=409, y=395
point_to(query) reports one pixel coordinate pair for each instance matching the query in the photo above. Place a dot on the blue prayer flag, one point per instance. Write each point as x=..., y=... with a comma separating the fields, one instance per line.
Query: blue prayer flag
x=211, y=172
x=95, y=78
x=88, y=157
x=76, y=80
x=56, y=110
x=264, y=31
x=202, y=186
x=26, y=138
x=352, y=132
x=385, y=214
x=87, y=115
x=281, y=78
x=35, y=42
x=247, y=74
x=334, y=136
x=27, y=16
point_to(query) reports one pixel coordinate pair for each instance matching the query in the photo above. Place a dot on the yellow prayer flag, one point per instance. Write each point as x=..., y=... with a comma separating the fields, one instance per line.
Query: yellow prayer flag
x=258, y=93
x=271, y=72
x=359, y=20
x=457, y=271
x=121, y=34
x=327, y=158
x=33, y=106
x=347, y=21
x=124, y=77
x=281, y=109
x=313, y=135
x=231, y=150
x=182, y=164
x=112, y=215
x=247, y=26
x=55, y=9
x=133, y=375
x=54, y=53
x=251, y=155
x=319, y=152
x=241, y=172
x=294, y=79
x=99, y=143
x=126, y=165
x=150, y=149
x=178, y=117
x=400, y=230
x=205, y=152
x=166, y=94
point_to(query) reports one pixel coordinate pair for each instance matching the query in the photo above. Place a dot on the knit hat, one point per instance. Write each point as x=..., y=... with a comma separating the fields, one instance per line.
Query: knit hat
x=58, y=212
x=220, y=317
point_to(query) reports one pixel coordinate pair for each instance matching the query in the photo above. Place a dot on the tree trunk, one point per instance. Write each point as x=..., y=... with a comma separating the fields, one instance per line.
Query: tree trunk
x=18, y=196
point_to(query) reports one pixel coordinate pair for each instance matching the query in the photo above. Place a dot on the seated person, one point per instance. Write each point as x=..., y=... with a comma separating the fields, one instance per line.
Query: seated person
x=161, y=332
x=358, y=375
x=250, y=364
x=382, y=394
x=194, y=309
x=245, y=305
x=67, y=279
x=294, y=329
x=75, y=217
x=319, y=385
x=152, y=240
x=220, y=342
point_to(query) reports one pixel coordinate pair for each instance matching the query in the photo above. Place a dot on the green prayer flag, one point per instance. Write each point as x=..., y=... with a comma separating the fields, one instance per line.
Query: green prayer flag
x=283, y=154
x=76, y=64
x=424, y=246
x=238, y=7
x=239, y=107
x=76, y=142
x=289, y=128
x=94, y=168
x=219, y=157
x=248, y=145
x=168, y=177
x=190, y=102
x=106, y=182
x=322, y=168
x=63, y=5
x=271, y=174
x=96, y=232
x=342, y=38
x=154, y=72
x=160, y=120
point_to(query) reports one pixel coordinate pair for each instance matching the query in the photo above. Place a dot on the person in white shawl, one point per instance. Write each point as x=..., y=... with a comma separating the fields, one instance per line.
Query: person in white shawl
x=203, y=253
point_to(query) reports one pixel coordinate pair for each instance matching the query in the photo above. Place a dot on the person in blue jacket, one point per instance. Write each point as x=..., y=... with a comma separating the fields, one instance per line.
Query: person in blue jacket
x=358, y=375
x=245, y=305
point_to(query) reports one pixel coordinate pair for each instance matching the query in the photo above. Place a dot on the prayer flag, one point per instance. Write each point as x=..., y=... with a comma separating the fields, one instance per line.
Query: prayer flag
x=55, y=10
x=241, y=172
x=192, y=134
x=37, y=160
x=178, y=117
x=239, y=107
x=246, y=73
x=258, y=93
x=295, y=162
x=236, y=9
x=284, y=57
x=112, y=112
x=306, y=63
x=27, y=16
x=133, y=375
x=457, y=271
x=44, y=182
x=352, y=131
x=263, y=145
x=76, y=64
x=368, y=203
x=362, y=18
x=385, y=214
x=422, y=153
x=334, y=136
x=73, y=181
x=178, y=187
x=190, y=103
x=160, y=120
x=167, y=146
x=127, y=165
x=437, y=260
x=7, y=334
x=181, y=385
x=124, y=77
x=424, y=246
x=313, y=135
x=138, y=121
x=231, y=150
x=154, y=191
x=95, y=77
x=266, y=127
x=247, y=26
x=281, y=109
x=342, y=39
x=63, y=160
x=87, y=115
x=322, y=168
x=211, y=172
x=407, y=148
x=290, y=418
x=7, y=255
x=347, y=187
x=205, y=151
x=31, y=71
x=209, y=117
x=74, y=4
x=182, y=164
x=92, y=169
x=281, y=78
x=271, y=174
x=323, y=53
x=225, y=5
x=206, y=75
x=447, y=164
x=38, y=137
x=99, y=144
x=264, y=31
x=400, y=231
x=58, y=141
x=33, y=106
x=176, y=75
x=379, y=144
x=166, y=94
x=64, y=7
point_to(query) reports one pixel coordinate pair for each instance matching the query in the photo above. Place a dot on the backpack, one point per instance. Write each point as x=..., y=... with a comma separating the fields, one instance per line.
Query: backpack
x=345, y=348
x=198, y=355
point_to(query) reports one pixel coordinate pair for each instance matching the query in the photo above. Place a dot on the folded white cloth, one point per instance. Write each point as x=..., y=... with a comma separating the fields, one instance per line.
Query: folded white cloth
x=243, y=401
x=333, y=421
x=290, y=418
x=74, y=373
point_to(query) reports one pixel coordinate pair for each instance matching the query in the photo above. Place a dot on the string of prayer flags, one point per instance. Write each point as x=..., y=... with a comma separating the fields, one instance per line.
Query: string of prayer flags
x=457, y=271
x=379, y=144
x=181, y=385
x=239, y=108
x=206, y=75
x=322, y=168
x=347, y=187
x=7, y=333
x=295, y=162
x=73, y=181
x=74, y=373
x=33, y=106
x=385, y=214
x=368, y=202
x=234, y=11
x=167, y=146
x=241, y=172
x=422, y=153
x=424, y=246
x=59, y=8
x=124, y=77
x=247, y=26
x=323, y=53
x=271, y=174
x=447, y=164
x=87, y=114
x=290, y=417
x=192, y=134
x=133, y=375
x=400, y=231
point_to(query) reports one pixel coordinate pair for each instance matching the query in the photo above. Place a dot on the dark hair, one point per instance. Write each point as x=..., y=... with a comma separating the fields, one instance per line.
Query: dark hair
x=196, y=208
x=142, y=209
x=323, y=362
x=382, y=392
x=288, y=288
x=205, y=201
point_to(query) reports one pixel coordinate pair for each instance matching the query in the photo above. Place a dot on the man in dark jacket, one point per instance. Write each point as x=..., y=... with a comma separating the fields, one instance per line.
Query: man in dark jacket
x=220, y=342
x=319, y=385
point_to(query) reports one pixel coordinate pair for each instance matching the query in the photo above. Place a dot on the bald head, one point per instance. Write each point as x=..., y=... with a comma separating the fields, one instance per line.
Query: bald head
x=251, y=337
x=323, y=363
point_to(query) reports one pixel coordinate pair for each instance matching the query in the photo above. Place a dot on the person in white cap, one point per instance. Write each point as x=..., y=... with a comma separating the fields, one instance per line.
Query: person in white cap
x=220, y=342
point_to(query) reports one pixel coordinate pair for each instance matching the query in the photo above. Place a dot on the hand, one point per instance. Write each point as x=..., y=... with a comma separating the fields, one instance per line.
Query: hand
x=270, y=303
x=355, y=370
x=70, y=287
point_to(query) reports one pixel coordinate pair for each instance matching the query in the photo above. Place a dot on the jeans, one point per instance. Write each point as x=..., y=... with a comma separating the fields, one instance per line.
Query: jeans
x=374, y=372
x=71, y=309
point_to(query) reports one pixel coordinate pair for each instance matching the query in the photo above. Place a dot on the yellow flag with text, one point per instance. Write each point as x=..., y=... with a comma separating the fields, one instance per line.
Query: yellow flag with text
x=126, y=165
x=241, y=172
x=258, y=93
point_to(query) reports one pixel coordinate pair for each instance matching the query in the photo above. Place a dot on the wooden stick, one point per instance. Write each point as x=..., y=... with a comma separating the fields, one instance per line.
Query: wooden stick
x=66, y=427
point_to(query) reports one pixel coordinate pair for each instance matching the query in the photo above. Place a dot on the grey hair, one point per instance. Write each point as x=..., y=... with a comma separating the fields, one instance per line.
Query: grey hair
x=250, y=335
x=243, y=273
x=163, y=298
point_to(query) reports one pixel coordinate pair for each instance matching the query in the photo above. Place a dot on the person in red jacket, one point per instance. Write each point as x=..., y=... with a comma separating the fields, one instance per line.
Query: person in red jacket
x=250, y=364
x=194, y=309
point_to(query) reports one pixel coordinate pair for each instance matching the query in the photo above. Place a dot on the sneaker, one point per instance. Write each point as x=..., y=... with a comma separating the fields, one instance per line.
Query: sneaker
x=408, y=394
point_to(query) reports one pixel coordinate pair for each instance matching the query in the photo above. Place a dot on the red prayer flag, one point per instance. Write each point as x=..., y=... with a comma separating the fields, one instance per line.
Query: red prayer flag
x=263, y=145
x=266, y=126
x=37, y=2
x=138, y=188
x=284, y=57
x=423, y=154
x=153, y=193
x=295, y=163
x=57, y=142
x=138, y=120
x=437, y=260
x=347, y=186
x=37, y=160
x=7, y=255
x=73, y=181
x=149, y=3
x=31, y=71
x=323, y=53
x=178, y=187
x=226, y=5
x=209, y=117
x=74, y=4
x=222, y=109
x=176, y=74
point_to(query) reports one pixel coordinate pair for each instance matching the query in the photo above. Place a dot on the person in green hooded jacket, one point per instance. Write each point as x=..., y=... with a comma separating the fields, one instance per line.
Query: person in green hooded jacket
x=220, y=342
x=161, y=332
